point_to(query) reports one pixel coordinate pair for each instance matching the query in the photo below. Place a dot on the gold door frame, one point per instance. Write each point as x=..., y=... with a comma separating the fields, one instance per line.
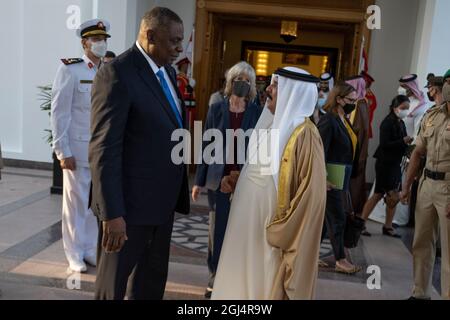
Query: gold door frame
x=206, y=38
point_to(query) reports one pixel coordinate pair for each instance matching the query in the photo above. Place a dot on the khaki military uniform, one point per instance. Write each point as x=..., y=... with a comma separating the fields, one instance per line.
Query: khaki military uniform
x=433, y=199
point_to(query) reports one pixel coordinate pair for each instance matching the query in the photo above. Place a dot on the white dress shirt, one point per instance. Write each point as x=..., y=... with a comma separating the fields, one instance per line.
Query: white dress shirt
x=155, y=69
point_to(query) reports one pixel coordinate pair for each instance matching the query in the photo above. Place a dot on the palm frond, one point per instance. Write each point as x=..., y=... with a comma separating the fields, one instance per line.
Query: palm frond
x=45, y=96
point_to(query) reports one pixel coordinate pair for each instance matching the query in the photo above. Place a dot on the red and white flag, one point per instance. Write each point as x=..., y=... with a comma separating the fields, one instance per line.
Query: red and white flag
x=189, y=52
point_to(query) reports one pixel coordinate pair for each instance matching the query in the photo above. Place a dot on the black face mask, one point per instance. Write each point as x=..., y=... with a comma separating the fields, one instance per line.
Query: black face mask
x=430, y=97
x=349, y=108
x=241, y=89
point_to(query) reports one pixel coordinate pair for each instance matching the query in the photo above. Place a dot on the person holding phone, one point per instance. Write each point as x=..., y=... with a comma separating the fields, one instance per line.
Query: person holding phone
x=393, y=145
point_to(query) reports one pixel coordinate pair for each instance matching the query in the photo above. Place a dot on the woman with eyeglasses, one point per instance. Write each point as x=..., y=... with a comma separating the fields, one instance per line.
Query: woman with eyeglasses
x=236, y=111
x=340, y=145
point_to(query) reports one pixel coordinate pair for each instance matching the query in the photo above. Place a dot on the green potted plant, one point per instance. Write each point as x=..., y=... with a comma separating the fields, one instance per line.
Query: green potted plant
x=45, y=96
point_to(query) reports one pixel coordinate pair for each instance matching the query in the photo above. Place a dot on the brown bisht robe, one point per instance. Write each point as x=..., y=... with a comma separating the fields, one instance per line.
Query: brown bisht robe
x=297, y=226
x=361, y=123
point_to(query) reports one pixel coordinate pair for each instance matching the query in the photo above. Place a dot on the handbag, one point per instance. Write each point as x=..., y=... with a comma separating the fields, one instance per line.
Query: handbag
x=354, y=224
x=353, y=228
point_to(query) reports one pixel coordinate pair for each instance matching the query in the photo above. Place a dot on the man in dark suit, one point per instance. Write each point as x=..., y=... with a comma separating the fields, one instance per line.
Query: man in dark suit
x=136, y=187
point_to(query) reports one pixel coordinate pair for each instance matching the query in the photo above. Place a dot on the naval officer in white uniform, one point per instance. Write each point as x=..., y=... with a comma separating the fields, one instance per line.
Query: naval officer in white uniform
x=70, y=119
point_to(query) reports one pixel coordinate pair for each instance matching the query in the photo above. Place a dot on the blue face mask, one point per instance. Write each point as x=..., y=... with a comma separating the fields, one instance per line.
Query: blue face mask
x=321, y=102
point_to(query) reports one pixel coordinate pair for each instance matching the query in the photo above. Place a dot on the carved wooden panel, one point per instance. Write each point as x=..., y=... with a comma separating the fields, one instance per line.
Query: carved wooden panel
x=338, y=4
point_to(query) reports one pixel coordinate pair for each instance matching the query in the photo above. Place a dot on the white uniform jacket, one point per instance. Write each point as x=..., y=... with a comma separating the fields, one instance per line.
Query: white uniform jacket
x=71, y=109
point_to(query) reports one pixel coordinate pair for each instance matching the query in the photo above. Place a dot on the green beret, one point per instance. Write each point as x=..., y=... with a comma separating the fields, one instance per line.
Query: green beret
x=447, y=74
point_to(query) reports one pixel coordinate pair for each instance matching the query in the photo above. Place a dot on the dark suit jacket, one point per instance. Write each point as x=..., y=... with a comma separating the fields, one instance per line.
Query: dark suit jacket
x=392, y=147
x=218, y=117
x=133, y=175
x=336, y=139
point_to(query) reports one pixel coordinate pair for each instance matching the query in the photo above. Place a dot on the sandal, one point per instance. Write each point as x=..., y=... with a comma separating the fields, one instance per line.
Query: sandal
x=390, y=232
x=353, y=270
x=323, y=264
x=366, y=233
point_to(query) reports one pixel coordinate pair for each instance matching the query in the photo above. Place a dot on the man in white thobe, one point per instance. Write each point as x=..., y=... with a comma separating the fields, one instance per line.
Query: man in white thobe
x=272, y=242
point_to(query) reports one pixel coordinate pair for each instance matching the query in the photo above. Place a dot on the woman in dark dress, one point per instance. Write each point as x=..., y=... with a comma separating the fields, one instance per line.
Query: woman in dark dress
x=393, y=144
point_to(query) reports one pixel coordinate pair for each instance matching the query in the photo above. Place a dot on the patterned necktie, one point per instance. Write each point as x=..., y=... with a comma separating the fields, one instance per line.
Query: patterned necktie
x=166, y=89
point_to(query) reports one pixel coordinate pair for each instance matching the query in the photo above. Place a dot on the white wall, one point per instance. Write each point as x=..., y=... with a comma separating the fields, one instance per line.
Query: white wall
x=135, y=10
x=40, y=40
x=116, y=13
x=11, y=14
x=186, y=10
x=422, y=41
x=432, y=43
x=391, y=55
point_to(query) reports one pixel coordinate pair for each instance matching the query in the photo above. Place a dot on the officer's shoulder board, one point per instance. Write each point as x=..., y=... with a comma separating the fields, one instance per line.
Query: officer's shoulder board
x=70, y=61
x=431, y=114
x=433, y=108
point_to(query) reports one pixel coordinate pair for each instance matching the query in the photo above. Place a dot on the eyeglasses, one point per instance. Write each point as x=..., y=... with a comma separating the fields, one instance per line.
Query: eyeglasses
x=351, y=100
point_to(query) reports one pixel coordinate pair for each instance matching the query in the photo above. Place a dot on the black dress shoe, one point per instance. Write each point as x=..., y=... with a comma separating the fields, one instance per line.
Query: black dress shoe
x=208, y=293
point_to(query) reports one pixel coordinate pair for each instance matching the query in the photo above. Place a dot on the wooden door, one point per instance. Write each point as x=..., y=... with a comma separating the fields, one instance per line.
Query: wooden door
x=208, y=64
